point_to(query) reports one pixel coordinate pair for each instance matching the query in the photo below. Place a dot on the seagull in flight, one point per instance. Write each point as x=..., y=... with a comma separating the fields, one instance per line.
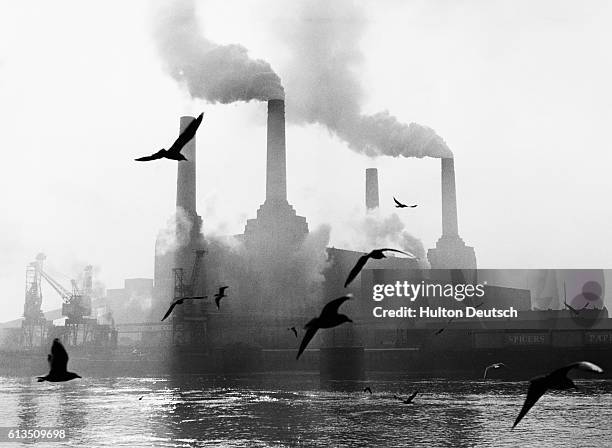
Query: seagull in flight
x=376, y=254
x=174, y=153
x=444, y=328
x=556, y=380
x=452, y=319
x=328, y=318
x=398, y=204
x=180, y=302
x=496, y=366
x=220, y=295
x=572, y=309
x=411, y=397
x=294, y=330
x=58, y=365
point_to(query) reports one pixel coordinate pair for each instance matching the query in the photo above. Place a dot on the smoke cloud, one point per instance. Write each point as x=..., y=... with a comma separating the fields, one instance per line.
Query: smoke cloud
x=377, y=230
x=98, y=288
x=288, y=283
x=322, y=81
x=176, y=234
x=215, y=73
x=321, y=75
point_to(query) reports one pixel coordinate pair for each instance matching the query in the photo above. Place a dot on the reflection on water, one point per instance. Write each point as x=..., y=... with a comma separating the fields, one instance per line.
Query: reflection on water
x=295, y=410
x=27, y=408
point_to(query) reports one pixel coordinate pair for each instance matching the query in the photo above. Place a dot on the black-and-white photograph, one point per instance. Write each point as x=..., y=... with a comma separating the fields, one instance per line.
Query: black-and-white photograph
x=309, y=223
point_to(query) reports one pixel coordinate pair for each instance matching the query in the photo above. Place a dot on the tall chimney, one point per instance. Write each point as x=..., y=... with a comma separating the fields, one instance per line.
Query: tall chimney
x=449, y=199
x=277, y=226
x=451, y=252
x=276, y=174
x=186, y=175
x=371, y=190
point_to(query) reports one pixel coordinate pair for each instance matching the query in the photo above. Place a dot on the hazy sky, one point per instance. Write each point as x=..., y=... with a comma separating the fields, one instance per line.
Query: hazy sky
x=519, y=90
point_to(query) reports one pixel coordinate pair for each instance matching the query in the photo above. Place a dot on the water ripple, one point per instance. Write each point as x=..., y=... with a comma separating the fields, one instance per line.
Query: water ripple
x=279, y=411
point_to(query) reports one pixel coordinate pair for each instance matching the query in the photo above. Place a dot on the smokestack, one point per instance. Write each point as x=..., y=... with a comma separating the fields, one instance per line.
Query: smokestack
x=277, y=226
x=186, y=175
x=371, y=190
x=276, y=174
x=449, y=199
x=450, y=251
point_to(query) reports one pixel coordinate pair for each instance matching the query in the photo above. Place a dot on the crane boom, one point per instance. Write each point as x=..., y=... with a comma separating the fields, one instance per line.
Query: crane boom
x=63, y=292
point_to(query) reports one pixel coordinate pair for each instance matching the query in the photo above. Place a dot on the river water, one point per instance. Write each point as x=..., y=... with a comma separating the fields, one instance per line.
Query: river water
x=296, y=410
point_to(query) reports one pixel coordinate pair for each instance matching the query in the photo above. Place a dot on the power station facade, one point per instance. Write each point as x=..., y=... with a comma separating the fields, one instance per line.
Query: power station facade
x=277, y=229
x=266, y=292
x=279, y=278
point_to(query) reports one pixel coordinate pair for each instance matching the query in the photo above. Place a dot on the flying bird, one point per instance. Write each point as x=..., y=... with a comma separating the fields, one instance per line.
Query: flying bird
x=368, y=389
x=495, y=366
x=556, y=380
x=58, y=365
x=572, y=309
x=452, y=319
x=398, y=204
x=411, y=397
x=376, y=254
x=220, y=295
x=444, y=328
x=174, y=153
x=180, y=302
x=328, y=318
x=294, y=330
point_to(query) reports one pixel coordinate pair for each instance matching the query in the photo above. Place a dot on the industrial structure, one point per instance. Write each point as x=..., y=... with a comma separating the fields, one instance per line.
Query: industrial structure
x=249, y=329
x=273, y=286
x=80, y=328
x=34, y=325
x=450, y=251
x=371, y=189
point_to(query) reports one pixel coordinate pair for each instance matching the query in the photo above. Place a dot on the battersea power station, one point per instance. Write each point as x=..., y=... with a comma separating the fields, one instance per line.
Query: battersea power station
x=278, y=274
x=278, y=277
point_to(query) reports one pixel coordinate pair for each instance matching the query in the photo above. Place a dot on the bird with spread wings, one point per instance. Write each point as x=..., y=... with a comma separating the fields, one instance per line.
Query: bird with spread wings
x=328, y=318
x=398, y=204
x=58, y=364
x=180, y=302
x=556, y=380
x=174, y=152
x=376, y=254
x=220, y=295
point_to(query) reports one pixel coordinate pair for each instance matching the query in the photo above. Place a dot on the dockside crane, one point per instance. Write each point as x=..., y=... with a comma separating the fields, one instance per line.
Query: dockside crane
x=188, y=323
x=76, y=308
x=34, y=327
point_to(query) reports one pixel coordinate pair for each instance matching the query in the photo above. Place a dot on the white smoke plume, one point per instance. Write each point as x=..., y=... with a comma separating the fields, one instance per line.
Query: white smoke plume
x=176, y=233
x=323, y=84
x=98, y=288
x=321, y=75
x=288, y=283
x=216, y=73
x=312, y=256
x=375, y=230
